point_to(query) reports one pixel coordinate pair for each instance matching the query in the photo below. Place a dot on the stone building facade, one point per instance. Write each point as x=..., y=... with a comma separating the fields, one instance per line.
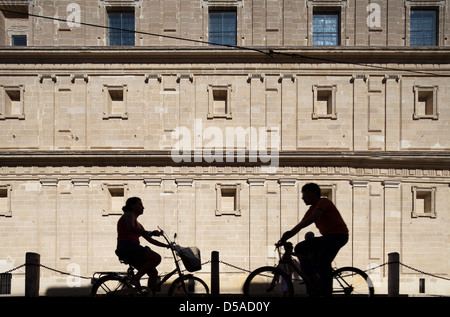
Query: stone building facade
x=218, y=140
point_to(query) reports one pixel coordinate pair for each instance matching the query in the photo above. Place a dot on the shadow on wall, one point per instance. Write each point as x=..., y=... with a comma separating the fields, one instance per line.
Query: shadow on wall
x=68, y=291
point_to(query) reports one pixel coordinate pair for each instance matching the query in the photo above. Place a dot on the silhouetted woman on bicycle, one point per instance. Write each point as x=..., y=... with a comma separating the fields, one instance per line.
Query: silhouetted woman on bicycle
x=129, y=249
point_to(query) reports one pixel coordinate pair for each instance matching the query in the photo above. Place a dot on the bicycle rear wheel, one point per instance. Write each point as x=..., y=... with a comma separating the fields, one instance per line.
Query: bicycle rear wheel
x=110, y=286
x=352, y=282
x=268, y=281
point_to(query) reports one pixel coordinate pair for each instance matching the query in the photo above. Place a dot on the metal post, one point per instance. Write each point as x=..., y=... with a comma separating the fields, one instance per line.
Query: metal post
x=421, y=285
x=393, y=274
x=215, y=280
x=32, y=274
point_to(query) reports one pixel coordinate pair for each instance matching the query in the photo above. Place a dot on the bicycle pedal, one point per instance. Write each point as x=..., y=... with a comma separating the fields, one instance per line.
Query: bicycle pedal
x=144, y=291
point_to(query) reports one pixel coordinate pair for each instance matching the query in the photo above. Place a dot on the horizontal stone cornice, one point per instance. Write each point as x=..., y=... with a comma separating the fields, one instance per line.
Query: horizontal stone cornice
x=193, y=54
x=356, y=159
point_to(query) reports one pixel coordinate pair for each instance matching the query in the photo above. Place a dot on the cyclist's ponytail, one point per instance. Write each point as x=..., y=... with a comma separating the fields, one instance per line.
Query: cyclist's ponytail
x=130, y=202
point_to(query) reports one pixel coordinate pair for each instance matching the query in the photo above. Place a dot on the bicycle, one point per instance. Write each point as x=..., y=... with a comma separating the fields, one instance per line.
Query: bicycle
x=275, y=281
x=119, y=283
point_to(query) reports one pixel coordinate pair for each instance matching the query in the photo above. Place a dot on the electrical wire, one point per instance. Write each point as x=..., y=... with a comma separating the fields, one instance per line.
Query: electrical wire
x=271, y=53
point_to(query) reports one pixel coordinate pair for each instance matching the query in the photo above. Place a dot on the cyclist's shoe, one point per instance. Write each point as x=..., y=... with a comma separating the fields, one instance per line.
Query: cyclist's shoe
x=145, y=292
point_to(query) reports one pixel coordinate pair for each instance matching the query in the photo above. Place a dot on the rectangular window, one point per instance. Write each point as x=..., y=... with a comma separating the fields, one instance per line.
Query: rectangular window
x=228, y=199
x=222, y=27
x=115, y=102
x=329, y=192
x=18, y=40
x=5, y=200
x=423, y=202
x=326, y=28
x=11, y=102
x=121, y=28
x=115, y=197
x=423, y=27
x=425, y=102
x=219, y=101
x=324, y=102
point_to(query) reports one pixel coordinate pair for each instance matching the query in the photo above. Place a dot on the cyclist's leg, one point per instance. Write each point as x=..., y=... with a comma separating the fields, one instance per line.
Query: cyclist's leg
x=326, y=275
x=142, y=258
x=330, y=246
x=150, y=261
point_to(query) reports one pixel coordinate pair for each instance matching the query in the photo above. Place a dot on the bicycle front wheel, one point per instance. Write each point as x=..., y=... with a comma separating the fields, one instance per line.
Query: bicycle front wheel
x=193, y=286
x=111, y=286
x=352, y=282
x=268, y=281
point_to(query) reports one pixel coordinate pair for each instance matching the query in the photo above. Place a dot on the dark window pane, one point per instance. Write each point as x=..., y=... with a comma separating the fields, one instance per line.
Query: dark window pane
x=119, y=22
x=19, y=40
x=326, y=28
x=423, y=27
x=222, y=27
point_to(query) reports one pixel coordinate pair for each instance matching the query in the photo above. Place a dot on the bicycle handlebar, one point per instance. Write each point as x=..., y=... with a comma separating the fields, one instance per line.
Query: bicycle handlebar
x=155, y=233
x=280, y=243
x=171, y=244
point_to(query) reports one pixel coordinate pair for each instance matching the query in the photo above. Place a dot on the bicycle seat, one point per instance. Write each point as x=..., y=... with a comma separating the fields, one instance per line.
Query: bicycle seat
x=124, y=262
x=130, y=266
x=121, y=260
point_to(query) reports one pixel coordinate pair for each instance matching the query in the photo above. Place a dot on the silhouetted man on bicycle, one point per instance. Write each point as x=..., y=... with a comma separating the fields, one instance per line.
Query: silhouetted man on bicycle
x=334, y=233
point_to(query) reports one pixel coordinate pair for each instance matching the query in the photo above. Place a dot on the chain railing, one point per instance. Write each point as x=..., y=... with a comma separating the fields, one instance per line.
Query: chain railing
x=226, y=264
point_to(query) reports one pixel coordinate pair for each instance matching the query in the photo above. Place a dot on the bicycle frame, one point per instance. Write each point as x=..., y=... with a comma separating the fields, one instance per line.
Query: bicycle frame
x=172, y=249
x=289, y=262
x=176, y=260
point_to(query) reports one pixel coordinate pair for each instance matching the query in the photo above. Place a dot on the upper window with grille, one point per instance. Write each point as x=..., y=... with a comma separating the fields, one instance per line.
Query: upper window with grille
x=18, y=40
x=326, y=28
x=222, y=27
x=121, y=28
x=423, y=27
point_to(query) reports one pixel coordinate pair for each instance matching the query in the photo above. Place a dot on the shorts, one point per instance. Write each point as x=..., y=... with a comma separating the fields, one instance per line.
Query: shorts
x=131, y=253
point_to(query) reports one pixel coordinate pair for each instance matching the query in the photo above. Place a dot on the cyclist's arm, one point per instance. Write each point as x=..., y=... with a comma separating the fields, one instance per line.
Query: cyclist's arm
x=149, y=238
x=303, y=224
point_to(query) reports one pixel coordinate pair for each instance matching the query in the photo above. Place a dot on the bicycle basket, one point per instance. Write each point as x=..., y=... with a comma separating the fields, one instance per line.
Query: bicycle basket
x=190, y=257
